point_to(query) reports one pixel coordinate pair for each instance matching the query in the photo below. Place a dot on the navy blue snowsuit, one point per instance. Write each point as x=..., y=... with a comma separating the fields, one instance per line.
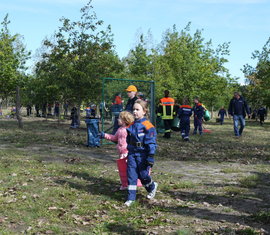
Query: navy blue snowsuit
x=221, y=114
x=198, y=110
x=184, y=113
x=142, y=145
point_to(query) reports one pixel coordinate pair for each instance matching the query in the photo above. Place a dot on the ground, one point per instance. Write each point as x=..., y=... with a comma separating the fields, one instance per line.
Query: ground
x=51, y=183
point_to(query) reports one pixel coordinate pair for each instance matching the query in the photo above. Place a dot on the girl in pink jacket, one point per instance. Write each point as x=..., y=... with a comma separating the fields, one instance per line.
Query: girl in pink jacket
x=125, y=119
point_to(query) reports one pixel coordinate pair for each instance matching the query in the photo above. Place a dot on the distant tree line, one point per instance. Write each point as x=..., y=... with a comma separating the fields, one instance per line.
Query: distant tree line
x=72, y=61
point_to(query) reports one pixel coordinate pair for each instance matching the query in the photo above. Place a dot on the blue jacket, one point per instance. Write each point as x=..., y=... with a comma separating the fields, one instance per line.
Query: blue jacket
x=222, y=112
x=198, y=111
x=238, y=107
x=184, y=112
x=141, y=137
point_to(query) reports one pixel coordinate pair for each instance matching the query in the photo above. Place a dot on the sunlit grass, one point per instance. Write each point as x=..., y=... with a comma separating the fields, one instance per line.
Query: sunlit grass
x=50, y=182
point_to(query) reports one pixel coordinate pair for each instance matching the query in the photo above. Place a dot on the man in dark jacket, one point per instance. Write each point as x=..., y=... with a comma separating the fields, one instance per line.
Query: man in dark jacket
x=238, y=108
x=131, y=92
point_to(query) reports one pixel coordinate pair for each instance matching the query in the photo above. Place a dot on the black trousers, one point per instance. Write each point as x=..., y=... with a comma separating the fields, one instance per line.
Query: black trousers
x=167, y=125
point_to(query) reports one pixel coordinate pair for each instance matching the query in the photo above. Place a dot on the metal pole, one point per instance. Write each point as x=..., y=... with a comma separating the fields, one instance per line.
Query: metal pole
x=153, y=105
x=103, y=103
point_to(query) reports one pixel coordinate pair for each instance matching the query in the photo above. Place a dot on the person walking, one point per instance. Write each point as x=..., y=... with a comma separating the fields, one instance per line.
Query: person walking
x=166, y=110
x=125, y=119
x=29, y=110
x=222, y=113
x=261, y=113
x=198, y=110
x=184, y=114
x=141, y=140
x=238, y=108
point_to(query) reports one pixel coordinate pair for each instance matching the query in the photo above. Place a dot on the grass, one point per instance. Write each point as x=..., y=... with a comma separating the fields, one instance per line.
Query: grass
x=262, y=216
x=250, y=181
x=51, y=183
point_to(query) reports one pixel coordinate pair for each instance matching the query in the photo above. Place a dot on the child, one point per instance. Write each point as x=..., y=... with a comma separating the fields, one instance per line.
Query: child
x=141, y=141
x=198, y=116
x=125, y=119
x=184, y=113
x=222, y=112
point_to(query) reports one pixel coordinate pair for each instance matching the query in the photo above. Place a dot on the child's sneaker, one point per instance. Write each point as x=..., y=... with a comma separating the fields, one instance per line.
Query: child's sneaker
x=129, y=203
x=123, y=188
x=152, y=194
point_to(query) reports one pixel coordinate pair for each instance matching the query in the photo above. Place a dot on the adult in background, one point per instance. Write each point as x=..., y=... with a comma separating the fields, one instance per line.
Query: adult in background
x=74, y=117
x=29, y=110
x=166, y=110
x=131, y=92
x=65, y=109
x=117, y=107
x=56, y=109
x=199, y=111
x=238, y=109
x=261, y=113
x=222, y=113
x=37, y=110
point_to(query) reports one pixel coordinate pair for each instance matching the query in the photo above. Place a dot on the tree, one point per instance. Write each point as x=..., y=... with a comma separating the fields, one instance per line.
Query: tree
x=13, y=56
x=139, y=61
x=79, y=55
x=258, y=77
x=189, y=67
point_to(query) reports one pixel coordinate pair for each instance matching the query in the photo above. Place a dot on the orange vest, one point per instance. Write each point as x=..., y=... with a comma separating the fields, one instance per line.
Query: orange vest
x=167, y=104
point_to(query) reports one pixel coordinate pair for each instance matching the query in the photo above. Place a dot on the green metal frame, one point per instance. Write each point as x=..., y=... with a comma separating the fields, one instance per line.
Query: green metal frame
x=152, y=93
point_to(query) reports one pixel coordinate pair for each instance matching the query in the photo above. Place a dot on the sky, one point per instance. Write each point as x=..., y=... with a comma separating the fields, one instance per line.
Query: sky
x=243, y=23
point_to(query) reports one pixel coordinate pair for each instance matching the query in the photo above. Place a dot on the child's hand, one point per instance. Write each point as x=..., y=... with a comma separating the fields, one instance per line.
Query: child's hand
x=123, y=155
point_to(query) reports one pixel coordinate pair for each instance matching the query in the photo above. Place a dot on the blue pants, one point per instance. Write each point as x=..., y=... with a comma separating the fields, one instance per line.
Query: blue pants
x=197, y=125
x=74, y=122
x=221, y=119
x=185, y=127
x=137, y=168
x=236, y=120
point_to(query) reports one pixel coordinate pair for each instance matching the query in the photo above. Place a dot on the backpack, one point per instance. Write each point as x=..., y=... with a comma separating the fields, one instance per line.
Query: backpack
x=206, y=116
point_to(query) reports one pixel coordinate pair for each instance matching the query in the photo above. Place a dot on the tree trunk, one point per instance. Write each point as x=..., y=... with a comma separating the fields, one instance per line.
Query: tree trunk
x=18, y=107
x=79, y=113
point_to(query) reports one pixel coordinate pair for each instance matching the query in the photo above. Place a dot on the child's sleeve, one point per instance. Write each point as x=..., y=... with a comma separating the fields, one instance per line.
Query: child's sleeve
x=122, y=141
x=113, y=138
x=150, y=140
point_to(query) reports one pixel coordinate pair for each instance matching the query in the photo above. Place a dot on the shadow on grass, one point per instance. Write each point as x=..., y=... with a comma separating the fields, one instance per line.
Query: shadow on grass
x=117, y=228
x=255, y=200
x=95, y=185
